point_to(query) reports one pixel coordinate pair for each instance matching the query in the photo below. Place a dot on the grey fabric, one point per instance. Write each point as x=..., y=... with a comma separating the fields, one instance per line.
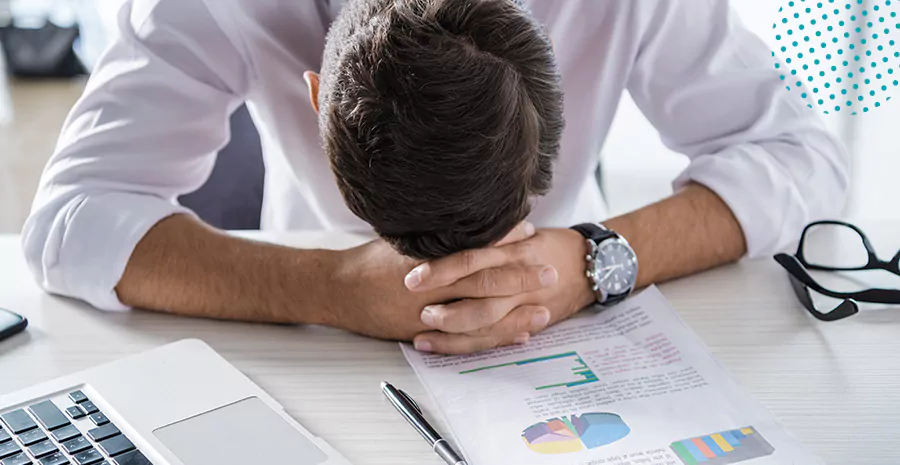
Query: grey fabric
x=232, y=196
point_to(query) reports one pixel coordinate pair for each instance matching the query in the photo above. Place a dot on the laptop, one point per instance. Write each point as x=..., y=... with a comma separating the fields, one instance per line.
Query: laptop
x=180, y=404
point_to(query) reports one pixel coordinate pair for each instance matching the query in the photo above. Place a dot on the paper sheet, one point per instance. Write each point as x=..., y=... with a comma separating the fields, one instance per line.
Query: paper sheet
x=631, y=385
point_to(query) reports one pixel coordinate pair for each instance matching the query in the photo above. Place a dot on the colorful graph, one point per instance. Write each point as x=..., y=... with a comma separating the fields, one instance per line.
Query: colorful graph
x=553, y=371
x=576, y=433
x=723, y=448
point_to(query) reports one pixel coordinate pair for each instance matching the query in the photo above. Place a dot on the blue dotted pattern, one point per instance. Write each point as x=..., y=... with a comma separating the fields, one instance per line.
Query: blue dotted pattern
x=839, y=56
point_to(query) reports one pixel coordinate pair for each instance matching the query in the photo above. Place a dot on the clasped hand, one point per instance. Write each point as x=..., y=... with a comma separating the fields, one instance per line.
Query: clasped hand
x=470, y=301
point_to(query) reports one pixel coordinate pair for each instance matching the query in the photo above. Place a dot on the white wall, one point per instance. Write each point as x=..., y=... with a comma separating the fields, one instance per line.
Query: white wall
x=638, y=168
x=876, y=193
x=61, y=12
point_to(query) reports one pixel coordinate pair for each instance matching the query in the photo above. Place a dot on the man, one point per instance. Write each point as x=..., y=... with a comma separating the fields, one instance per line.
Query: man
x=441, y=122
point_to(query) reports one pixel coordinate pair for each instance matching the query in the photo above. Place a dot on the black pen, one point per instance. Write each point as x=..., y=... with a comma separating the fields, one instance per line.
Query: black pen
x=413, y=414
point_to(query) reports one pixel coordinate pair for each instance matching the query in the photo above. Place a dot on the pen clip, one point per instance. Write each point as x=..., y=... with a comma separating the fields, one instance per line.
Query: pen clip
x=410, y=400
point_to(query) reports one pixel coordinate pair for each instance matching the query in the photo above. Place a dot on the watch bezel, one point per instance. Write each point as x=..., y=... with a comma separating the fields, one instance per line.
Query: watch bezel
x=595, y=249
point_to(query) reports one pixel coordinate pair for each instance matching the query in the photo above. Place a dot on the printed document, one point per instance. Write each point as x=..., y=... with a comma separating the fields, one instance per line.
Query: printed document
x=629, y=385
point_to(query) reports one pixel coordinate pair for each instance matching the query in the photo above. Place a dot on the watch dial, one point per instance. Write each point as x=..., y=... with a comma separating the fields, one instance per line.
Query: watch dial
x=615, y=267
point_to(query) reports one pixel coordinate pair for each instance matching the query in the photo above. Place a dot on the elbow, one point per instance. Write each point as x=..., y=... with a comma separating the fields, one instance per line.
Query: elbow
x=40, y=246
x=825, y=188
x=42, y=239
x=34, y=247
x=816, y=177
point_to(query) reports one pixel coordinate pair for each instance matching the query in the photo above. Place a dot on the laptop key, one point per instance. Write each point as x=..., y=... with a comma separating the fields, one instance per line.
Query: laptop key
x=74, y=446
x=32, y=437
x=8, y=449
x=4, y=436
x=116, y=445
x=77, y=397
x=49, y=415
x=43, y=448
x=20, y=459
x=18, y=421
x=74, y=412
x=132, y=458
x=65, y=433
x=55, y=459
x=99, y=419
x=89, y=407
x=88, y=457
x=104, y=432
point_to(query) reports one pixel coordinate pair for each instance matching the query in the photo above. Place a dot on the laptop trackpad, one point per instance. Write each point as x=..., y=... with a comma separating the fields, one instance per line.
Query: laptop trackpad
x=248, y=431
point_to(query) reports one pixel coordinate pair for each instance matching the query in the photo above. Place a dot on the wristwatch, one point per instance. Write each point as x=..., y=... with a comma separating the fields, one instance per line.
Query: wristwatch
x=611, y=263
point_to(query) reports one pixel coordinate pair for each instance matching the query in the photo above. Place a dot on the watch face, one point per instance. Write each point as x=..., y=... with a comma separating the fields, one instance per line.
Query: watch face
x=615, y=267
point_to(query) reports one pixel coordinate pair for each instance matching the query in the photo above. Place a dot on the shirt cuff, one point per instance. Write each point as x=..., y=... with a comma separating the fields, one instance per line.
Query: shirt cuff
x=99, y=237
x=762, y=195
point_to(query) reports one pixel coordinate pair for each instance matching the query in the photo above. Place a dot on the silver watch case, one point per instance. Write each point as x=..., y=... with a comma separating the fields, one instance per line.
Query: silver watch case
x=591, y=259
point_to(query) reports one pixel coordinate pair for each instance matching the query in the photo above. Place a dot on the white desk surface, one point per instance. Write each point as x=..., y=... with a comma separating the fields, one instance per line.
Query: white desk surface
x=834, y=386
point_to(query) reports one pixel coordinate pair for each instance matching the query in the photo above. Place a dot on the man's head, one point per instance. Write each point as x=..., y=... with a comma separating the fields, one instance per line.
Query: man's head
x=441, y=118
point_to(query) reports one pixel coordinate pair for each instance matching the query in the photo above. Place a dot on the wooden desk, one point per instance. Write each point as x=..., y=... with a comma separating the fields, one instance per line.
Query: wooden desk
x=833, y=385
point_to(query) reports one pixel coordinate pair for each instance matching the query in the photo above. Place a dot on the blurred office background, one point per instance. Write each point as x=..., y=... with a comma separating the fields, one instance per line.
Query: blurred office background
x=636, y=167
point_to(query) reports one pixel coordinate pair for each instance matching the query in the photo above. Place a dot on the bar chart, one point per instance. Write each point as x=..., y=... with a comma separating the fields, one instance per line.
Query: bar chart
x=723, y=448
x=565, y=370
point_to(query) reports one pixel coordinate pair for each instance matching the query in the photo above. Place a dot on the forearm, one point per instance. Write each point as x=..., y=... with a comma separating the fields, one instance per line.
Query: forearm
x=691, y=231
x=184, y=267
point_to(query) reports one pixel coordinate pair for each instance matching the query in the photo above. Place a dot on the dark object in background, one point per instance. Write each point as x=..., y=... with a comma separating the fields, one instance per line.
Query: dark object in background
x=11, y=323
x=232, y=196
x=44, y=52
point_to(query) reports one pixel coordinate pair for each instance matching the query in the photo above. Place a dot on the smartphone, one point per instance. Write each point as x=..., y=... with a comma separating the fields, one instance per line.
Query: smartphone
x=11, y=323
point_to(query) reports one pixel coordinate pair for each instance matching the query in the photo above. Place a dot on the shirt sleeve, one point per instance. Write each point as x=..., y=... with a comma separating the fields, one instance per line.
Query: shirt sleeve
x=710, y=87
x=154, y=114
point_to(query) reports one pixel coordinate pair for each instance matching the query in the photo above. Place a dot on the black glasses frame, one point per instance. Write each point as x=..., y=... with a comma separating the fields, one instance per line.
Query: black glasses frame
x=797, y=267
x=874, y=262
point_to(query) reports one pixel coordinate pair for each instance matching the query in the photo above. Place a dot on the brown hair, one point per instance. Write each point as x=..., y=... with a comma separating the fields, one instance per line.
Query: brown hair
x=441, y=118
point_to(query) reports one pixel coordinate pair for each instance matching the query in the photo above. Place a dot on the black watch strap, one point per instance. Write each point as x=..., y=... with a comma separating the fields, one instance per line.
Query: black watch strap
x=612, y=299
x=598, y=234
x=594, y=232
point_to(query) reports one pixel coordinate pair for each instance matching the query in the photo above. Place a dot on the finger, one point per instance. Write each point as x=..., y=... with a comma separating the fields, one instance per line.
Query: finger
x=529, y=319
x=505, y=281
x=458, y=344
x=522, y=231
x=514, y=329
x=467, y=315
x=448, y=270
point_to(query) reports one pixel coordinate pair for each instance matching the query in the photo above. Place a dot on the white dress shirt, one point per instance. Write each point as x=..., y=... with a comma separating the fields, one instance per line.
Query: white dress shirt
x=156, y=111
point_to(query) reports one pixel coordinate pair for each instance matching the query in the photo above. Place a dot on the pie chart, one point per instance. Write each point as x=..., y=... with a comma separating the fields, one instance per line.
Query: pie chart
x=575, y=433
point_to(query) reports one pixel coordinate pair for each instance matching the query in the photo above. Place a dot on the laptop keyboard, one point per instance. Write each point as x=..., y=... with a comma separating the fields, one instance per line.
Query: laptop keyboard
x=43, y=434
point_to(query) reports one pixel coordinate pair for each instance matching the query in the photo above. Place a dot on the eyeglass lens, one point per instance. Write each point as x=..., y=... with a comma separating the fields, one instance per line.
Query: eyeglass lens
x=819, y=247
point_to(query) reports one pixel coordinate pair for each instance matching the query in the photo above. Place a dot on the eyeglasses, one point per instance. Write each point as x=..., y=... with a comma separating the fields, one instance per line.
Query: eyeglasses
x=855, y=253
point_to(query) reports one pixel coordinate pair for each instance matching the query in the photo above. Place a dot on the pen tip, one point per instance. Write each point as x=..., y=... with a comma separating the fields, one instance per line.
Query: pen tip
x=384, y=384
